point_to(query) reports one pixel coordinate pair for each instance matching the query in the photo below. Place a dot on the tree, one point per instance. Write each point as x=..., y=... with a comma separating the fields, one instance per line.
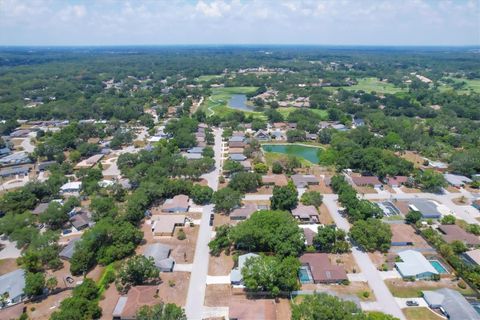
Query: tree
x=103, y=207
x=268, y=231
x=261, y=168
x=161, y=311
x=271, y=274
x=322, y=306
x=277, y=168
x=284, y=198
x=296, y=136
x=448, y=219
x=201, y=194
x=372, y=234
x=51, y=283
x=34, y=284
x=232, y=166
x=458, y=247
x=208, y=152
x=137, y=270
x=292, y=163
x=312, y=198
x=83, y=304
x=226, y=199
x=55, y=216
x=221, y=241
x=330, y=239
x=245, y=182
x=413, y=216
x=431, y=181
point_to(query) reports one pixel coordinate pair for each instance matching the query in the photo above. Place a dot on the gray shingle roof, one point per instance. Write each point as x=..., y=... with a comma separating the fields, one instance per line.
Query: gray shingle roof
x=13, y=283
x=161, y=256
x=457, y=307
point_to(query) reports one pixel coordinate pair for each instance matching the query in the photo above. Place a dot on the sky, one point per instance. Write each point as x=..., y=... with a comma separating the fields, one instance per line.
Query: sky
x=170, y=22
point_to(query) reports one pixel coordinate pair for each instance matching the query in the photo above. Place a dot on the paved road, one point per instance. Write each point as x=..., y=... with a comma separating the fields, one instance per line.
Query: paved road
x=27, y=143
x=194, y=307
x=385, y=301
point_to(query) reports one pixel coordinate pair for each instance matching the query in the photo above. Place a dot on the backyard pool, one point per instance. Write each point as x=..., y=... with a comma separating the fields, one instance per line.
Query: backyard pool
x=438, y=266
x=306, y=152
x=304, y=275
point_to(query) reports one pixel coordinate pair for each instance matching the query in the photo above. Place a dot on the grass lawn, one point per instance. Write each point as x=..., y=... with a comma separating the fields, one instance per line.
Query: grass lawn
x=394, y=218
x=286, y=111
x=471, y=85
x=208, y=77
x=217, y=103
x=421, y=313
x=402, y=289
x=271, y=157
x=372, y=84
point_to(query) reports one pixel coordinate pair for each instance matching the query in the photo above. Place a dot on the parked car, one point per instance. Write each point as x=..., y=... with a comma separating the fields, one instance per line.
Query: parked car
x=412, y=303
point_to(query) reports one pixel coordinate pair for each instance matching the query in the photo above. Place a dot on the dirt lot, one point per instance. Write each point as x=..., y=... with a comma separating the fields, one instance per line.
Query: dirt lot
x=379, y=259
x=413, y=157
x=461, y=201
x=325, y=217
x=108, y=301
x=353, y=289
x=218, y=295
x=178, y=292
x=8, y=265
x=407, y=289
x=364, y=189
x=42, y=310
x=265, y=190
x=220, y=220
x=452, y=189
x=346, y=260
x=410, y=190
x=284, y=311
x=221, y=265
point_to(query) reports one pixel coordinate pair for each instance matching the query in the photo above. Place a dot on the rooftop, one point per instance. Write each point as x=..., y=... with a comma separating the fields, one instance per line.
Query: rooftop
x=414, y=263
x=136, y=297
x=167, y=223
x=456, y=306
x=177, y=203
x=69, y=249
x=321, y=268
x=453, y=232
x=160, y=254
x=244, y=212
x=366, y=180
x=13, y=283
x=474, y=255
x=456, y=180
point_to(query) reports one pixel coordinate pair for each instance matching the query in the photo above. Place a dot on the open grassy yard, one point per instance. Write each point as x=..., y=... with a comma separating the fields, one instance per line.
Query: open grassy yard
x=421, y=313
x=470, y=85
x=208, y=77
x=217, y=103
x=372, y=84
x=286, y=111
x=406, y=289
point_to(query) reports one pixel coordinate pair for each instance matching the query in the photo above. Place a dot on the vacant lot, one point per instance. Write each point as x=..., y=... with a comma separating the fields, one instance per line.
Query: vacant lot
x=372, y=84
x=421, y=313
x=174, y=287
x=221, y=265
x=406, y=289
x=354, y=289
x=218, y=295
x=43, y=309
x=325, y=217
x=8, y=265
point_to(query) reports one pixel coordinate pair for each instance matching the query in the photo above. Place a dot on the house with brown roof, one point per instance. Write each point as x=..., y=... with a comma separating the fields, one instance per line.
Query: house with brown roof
x=453, y=232
x=321, y=269
x=304, y=180
x=473, y=256
x=236, y=144
x=397, y=182
x=274, y=180
x=164, y=225
x=252, y=309
x=235, y=151
x=244, y=212
x=89, y=162
x=366, y=181
x=138, y=296
x=401, y=234
x=306, y=214
x=309, y=235
x=179, y=203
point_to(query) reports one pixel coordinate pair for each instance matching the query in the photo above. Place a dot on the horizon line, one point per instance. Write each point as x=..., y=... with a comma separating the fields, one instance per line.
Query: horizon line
x=240, y=45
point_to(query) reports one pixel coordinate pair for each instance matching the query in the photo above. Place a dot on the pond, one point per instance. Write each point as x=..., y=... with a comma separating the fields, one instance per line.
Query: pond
x=301, y=151
x=239, y=102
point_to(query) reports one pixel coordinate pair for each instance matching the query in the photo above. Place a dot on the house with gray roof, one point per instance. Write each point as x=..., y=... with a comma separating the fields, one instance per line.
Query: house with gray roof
x=236, y=274
x=452, y=303
x=161, y=256
x=179, y=203
x=68, y=251
x=13, y=283
x=13, y=171
x=4, y=152
x=428, y=208
x=237, y=157
x=456, y=180
x=15, y=158
x=415, y=265
x=303, y=181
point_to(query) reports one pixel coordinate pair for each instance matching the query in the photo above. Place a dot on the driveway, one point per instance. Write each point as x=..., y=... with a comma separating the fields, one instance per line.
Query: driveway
x=402, y=302
x=386, y=302
x=194, y=307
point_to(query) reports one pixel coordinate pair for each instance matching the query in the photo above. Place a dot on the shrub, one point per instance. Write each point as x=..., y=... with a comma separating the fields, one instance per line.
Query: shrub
x=181, y=235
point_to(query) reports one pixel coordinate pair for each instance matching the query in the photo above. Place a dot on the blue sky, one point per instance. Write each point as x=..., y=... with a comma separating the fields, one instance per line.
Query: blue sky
x=165, y=22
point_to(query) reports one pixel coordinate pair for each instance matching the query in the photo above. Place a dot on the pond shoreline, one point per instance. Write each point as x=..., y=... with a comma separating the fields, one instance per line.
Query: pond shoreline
x=304, y=151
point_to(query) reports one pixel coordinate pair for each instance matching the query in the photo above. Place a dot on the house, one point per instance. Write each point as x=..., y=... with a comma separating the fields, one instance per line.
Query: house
x=311, y=136
x=456, y=180
x=81, y=221
x=15, y=158
x=274, y=180
x=452, y=303
x=309, y=235
x=68, y=251
x=358, y=122
x=237, y=157
x=280, y=125
x=236, y=274
x=473, y=256
x=261, y=135
x=89, y=162
x=14, y=171
x=71, y=188
x=138, y=296
x=249, y=309
x=164, y=225
x=236, y=144
x=246, y=164
x=401, y=234
x=321, y=269
x=303, y=181
x=415, y=265
x=396, y=182
x=40, y=208
x=278, y=135
x=428, y=208
x=161, y=256
x=235, y=151
x=195, y=150
x=192, y=156
x=13, y=284
x=366, y=181
x=179, y=203
x=42, y=166
x=476, y=177
x=5, y=152
x=244, y=212
x=19, y=133
x=451, y=233
x=238, y=138
x=308, y=214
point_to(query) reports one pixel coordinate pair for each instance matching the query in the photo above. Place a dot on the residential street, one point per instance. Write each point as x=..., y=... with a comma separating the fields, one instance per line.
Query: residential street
x=194, y=307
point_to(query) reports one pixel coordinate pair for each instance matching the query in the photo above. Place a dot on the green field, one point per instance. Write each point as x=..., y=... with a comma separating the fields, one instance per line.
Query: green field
x=208, y=77
x=286, y=111
x=471, y=85
x=217, y=103
x=372, y=84
x=421, y=313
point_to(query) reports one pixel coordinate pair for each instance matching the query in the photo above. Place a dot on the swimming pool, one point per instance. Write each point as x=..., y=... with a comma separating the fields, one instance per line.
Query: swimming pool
x=304, y=275
x=438, y=266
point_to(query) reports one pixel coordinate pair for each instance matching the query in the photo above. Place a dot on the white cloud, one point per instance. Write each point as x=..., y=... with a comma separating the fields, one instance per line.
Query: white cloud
x=212, y=9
